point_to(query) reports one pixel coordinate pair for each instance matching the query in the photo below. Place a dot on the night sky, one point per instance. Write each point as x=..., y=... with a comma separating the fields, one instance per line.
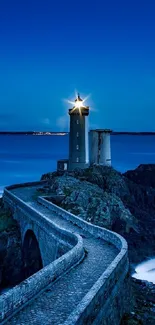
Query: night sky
x=51, y=49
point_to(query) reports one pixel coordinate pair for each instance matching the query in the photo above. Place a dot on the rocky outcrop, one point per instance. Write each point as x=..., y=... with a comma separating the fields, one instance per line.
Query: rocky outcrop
x=110, y=199
x=91, y=202
x=143, y=307
x=10, y=250
x=143, y=175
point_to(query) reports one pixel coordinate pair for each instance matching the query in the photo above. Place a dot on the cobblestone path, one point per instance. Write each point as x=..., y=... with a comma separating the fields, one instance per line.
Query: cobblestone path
x=55, y=304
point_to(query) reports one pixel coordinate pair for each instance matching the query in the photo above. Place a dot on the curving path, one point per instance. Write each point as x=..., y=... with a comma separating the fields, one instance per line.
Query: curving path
x=55, y=304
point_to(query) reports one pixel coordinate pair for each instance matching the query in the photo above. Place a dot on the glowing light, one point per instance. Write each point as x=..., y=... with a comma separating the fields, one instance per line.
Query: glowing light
x=63, y=121
x=78, y=103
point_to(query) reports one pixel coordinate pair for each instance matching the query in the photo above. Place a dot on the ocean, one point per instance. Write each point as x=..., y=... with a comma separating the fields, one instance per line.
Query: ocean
x=25, y=158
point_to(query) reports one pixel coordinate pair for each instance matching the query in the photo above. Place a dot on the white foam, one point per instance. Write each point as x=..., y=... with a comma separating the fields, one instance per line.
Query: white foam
x=146, y=271
x=1, y=190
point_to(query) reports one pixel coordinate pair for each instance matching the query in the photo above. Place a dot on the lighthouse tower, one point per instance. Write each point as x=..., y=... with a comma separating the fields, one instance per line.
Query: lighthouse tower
x=78, y=136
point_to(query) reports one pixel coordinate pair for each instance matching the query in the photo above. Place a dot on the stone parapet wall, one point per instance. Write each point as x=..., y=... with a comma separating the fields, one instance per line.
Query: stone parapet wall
x=11, y=301
x=27, y=184
x=98, y=232
x=15, y=204
x=105, y=302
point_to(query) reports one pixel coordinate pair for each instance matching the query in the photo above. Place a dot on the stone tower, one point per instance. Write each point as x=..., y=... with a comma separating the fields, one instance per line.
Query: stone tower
x=100, y=148
x=78, y=136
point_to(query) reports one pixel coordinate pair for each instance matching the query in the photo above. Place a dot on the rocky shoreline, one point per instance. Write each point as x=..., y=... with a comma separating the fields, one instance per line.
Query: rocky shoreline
x=143, y=304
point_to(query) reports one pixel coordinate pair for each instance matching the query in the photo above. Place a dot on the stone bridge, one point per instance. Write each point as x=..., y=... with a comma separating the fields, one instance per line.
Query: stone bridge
x=81, y=270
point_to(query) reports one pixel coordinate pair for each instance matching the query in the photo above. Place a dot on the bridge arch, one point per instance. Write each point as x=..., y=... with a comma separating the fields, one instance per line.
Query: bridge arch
x=32, y=259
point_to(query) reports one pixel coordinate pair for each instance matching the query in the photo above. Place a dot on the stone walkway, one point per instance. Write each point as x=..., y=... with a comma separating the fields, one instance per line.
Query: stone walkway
x=57, y=302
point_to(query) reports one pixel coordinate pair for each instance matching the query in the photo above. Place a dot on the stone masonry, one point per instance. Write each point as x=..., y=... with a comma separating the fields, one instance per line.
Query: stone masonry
x=86, y=285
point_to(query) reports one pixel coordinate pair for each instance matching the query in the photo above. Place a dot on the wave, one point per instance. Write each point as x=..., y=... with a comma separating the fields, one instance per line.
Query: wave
x=146, y=271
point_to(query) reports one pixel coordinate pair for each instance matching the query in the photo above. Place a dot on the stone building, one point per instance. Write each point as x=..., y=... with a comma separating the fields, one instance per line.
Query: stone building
x=97, y=147
x=78, y=138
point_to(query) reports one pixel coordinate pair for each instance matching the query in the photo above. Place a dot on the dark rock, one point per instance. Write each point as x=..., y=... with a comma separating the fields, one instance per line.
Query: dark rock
x=11, y=264
x=143, y=308
x=143, y=174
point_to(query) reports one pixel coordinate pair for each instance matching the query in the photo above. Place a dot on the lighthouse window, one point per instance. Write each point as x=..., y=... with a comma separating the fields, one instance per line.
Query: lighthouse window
x=77, y=159
x=77, y=147
x=77, y=134
x=77, y=121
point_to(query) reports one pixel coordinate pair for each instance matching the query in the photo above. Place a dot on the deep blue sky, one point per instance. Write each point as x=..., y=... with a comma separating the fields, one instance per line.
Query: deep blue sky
x=49, y=49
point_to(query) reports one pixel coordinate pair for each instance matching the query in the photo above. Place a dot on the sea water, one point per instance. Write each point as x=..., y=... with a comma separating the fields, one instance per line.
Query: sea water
x=25, y=158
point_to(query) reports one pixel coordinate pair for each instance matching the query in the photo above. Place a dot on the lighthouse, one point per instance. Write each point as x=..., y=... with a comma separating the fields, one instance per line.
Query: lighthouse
x=98, y=149
x=78, y=136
